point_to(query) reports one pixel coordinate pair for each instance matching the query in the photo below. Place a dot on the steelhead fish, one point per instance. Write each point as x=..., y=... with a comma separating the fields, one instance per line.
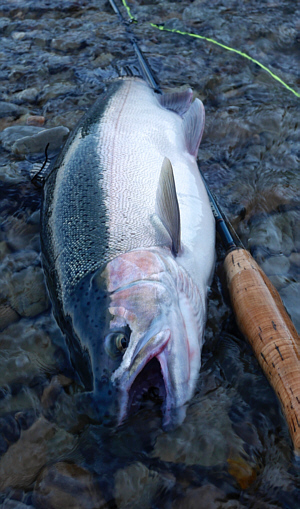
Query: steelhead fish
x=128, y=246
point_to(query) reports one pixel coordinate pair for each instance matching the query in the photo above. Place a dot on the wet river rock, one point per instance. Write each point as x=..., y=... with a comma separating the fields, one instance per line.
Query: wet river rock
x=11, y=110
x=31, y=139
x=42, y=442
x=26, y=292
x=11, y=134
x=67, y=485
x=55, y=58
x=37, y=143
x=207, y=424
x=137, y=486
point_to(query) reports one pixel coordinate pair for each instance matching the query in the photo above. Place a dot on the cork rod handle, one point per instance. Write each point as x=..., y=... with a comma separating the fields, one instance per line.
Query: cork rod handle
x=262, y=318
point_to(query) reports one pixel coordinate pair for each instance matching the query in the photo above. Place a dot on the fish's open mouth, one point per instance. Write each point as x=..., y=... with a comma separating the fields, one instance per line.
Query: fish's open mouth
x=144, y=370
x=148, y=388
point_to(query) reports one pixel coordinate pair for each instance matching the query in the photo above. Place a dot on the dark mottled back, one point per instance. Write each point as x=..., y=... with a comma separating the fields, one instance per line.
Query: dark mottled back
x=74, y=217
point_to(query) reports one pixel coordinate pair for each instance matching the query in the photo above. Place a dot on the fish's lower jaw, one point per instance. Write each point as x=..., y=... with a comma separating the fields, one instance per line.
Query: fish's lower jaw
x=173, y=417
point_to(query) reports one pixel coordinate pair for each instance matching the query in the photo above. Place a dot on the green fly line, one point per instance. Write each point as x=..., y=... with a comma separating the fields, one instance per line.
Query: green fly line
x=213, y=41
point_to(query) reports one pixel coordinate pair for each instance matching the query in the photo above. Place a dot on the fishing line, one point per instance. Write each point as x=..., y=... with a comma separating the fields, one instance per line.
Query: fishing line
x=213, y=41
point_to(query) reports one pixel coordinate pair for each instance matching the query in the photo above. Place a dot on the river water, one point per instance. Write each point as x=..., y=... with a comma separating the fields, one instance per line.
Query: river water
x=233, y=451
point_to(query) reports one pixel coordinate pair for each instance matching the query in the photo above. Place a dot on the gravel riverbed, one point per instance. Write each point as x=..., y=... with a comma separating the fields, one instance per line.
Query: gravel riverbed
x=233, y=451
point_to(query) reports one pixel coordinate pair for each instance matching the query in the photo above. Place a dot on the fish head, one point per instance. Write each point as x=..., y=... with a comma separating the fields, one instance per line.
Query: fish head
x=147, y=325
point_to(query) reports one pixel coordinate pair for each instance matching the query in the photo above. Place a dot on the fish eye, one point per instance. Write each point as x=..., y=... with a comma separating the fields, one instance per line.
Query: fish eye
x=122, y=342
x=117, y=342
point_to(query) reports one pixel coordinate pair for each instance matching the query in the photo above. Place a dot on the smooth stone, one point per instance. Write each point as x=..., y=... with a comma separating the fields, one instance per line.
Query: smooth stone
x=34, y=218
x=58, y=89
x=23, y=237
x=136, y=486
x=11, y=110
x=7, y=316
x=4, y=23
x=287, y=245
x=38, y=142
x=27, y=95
x=38, y=445
x=68, y=118
x=11, y=134
x=4, y=250
x=276, y=265
x=27, y=292
x=67, y=485
x=266, y=236
x=60, y=407
x=295, y=259
x=41, y=38
x=279, y=281
x=17, y=72
x=29, y=354
x=242, y=471
x=35, y=120
x=206, y=436
x=58, y=63
x=15, y=504
x=206, y=497
x=9, y=428
x=20, y=465
x=68, y=43
x=296, y=232
x=274, y=233
x=192, y=13
x=103, y=60
x=25, y=418
x=3, y=445
x=291, y=298
x=17, y=261
x=10, y=174
x=18, y=36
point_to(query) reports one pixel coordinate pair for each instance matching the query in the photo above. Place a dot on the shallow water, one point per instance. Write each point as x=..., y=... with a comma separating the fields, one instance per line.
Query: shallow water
x=234, y=449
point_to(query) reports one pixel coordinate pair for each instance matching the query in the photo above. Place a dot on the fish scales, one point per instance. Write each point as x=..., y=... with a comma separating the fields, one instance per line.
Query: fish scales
x=101, y=224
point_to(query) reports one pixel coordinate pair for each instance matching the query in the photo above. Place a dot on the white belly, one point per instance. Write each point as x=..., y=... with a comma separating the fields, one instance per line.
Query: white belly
x=133, y=144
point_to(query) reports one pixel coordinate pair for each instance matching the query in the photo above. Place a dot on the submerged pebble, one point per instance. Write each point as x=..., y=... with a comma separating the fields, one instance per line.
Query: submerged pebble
x=27, y=293
x=35, y=120
x=22, y=462
x=7, y=316
x=11, y=110
x=26, y=353
x=207, y=424
x=54, y=63
x=276, y=265
x=11, y=134
x=207, y=496
x=28, y=95
x=37, y=143
x=67, y=485
x=15, y=504
x=291, y=298
x=136, y=486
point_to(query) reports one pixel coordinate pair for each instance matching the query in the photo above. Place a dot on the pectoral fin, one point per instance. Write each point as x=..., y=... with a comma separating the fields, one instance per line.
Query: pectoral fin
x=179, y=102
x=193, y=125
x=167, y=207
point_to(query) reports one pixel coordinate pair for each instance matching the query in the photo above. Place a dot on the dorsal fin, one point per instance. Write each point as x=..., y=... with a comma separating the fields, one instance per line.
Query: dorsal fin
x=193, y=125
x=176, y=101
x=167, y=207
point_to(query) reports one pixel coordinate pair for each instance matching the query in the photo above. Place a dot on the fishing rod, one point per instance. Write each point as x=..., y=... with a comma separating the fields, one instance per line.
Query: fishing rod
x=258, y=308
x=144, y=67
